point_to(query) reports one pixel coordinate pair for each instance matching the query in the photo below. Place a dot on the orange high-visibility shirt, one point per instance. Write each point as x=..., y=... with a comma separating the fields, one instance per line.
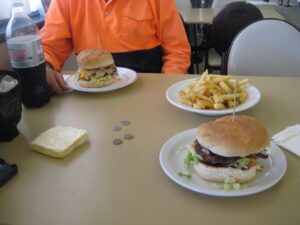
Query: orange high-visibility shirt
x=115, y=26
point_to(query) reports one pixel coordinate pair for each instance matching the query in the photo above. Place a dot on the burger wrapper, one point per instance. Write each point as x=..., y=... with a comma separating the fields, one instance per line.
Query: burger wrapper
x=289, y=139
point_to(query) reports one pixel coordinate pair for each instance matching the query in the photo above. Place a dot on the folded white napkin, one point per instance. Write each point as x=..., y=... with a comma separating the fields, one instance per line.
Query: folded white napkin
x=289, y=139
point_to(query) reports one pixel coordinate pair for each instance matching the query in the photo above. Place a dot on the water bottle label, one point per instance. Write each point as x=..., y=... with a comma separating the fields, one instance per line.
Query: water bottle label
x=25, y=51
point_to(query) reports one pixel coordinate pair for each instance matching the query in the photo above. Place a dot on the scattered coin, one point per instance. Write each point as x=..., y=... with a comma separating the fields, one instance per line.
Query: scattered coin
x=125, y=122
x=128, y=136
x=116, y=128
x=117, y=141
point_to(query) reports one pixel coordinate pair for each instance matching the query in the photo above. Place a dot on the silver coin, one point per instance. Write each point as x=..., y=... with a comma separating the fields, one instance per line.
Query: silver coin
x=125, y=122
x=128, y=136
x=116, y=128
x=117, y=141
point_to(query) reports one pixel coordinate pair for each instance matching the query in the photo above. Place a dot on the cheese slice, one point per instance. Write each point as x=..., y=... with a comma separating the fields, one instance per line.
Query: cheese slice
x=59, y=141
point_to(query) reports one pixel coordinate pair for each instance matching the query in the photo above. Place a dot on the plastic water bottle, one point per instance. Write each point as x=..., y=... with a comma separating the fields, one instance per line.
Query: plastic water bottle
x=27, y=56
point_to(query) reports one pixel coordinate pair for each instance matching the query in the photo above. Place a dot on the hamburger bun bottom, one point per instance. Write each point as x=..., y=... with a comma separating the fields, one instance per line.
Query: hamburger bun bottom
x=222, y=174
x=94, y=84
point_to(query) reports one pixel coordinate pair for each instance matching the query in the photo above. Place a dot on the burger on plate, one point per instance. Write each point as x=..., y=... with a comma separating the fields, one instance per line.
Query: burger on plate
x=96, y=68
x=228, y=149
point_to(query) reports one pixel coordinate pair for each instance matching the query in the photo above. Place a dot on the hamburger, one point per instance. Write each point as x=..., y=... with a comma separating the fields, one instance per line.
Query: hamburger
x=227, y=149
x=96, y=68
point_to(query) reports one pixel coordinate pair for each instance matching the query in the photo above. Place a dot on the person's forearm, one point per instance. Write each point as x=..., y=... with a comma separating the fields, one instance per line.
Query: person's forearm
x=175, y=45
x=176, y=63
x=56, y=35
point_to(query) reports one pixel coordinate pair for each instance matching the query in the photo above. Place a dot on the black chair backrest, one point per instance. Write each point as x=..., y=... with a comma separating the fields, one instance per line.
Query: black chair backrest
x=229, y=21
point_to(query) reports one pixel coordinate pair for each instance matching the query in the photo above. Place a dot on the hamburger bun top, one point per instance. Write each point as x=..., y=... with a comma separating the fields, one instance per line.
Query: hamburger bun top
x=239, y=137
x=94, y=58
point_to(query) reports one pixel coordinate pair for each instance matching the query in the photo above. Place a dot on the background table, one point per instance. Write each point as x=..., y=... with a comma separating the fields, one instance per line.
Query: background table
x=205, y=15
x=101, y=183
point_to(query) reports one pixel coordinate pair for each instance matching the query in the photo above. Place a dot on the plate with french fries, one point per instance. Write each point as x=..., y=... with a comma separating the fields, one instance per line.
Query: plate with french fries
x=213, y=95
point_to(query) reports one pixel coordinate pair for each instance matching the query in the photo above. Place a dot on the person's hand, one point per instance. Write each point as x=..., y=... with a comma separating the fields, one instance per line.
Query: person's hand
x=56, y=81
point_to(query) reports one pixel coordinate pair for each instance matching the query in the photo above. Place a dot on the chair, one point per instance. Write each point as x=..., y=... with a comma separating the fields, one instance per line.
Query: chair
x=214, y=62
x=268, y=47
x=225, y=26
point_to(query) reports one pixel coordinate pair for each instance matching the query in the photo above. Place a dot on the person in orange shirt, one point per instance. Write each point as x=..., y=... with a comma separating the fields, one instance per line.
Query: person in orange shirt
x=144, y=35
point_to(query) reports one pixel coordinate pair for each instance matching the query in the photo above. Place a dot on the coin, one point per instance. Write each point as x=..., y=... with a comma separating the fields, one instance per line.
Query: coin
x=116, y=127
x=117, y=141
x=125, y=122
x=128, y=136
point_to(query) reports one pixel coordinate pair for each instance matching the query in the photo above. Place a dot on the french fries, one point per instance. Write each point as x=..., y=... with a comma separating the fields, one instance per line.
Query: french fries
x=212, y=91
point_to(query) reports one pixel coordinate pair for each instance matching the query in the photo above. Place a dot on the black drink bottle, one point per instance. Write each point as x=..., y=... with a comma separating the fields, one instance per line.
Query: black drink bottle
x=27, y=57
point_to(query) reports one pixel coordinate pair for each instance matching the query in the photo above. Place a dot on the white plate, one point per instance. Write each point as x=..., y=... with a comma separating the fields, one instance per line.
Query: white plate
x=126, y=77
x=172, y=156
x=172, y=95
